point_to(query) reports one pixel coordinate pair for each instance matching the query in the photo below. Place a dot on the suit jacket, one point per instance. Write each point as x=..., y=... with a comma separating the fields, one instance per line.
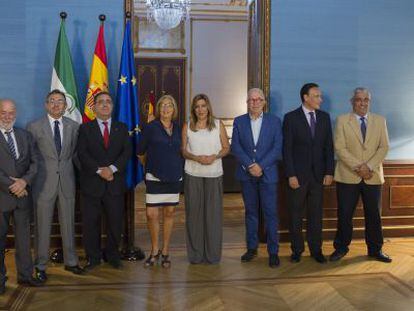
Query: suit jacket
x=351, y=151
x=24, y=167
x=92, y=155
x=304, y=155
x=53, y=168
x=266, y=152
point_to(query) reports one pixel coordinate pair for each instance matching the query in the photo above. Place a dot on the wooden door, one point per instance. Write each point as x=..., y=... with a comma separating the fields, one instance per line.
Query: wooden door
x=160, y=76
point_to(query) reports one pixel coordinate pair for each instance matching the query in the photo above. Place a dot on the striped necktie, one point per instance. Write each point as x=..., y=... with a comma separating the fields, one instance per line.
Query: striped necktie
x=11, y=145
x=363, y=128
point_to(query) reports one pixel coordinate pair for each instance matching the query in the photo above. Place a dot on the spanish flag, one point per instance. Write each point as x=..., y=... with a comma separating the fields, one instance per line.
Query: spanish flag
x=98, y=81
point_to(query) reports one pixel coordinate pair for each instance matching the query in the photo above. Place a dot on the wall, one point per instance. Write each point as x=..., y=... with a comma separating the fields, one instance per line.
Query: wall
x=219, y=64
x=342, y=45
x=28, y=35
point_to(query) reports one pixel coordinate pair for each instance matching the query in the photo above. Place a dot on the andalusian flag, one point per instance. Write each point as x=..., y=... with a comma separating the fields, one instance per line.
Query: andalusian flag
x=98, y=80
x=63, y=78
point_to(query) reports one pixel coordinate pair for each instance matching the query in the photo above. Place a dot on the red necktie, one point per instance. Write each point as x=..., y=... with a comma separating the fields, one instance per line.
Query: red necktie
x=106, y=135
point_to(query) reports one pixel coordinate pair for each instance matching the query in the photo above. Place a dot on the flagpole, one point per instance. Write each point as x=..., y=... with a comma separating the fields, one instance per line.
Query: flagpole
x=130, y=252
x=56, y=256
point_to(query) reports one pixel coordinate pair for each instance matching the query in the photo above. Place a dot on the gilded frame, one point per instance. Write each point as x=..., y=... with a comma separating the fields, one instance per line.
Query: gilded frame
x=259, y=46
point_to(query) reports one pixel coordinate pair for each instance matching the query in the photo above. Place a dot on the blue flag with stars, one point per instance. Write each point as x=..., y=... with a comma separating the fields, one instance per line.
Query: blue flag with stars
x=127, y=106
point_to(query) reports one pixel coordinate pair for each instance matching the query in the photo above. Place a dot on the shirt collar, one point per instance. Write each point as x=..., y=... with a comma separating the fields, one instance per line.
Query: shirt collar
x=359, y=117
x=3, y=130
x=52, y=120
x=102, y=121
x=259, y=117
x=306, y=110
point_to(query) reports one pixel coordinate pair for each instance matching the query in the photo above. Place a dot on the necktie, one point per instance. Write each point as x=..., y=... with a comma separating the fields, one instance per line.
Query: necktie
x=312, y=123
x=11, y=145
x=363, y=128
x=106, y=135
x=56, y=136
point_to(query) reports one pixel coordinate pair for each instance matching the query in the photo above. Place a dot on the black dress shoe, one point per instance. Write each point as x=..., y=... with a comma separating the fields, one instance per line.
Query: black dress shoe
x=41, y=275
x=295, y=257
x=319, y=257
x=274, y=260
x=249, y=255
x=380, y=256
x=90, y=265
x=75, y=269
x=337, y=254
x=31, y=282
x=2, y=289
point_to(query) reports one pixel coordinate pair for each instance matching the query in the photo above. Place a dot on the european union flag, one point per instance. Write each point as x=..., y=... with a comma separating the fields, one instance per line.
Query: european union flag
x=127, y=105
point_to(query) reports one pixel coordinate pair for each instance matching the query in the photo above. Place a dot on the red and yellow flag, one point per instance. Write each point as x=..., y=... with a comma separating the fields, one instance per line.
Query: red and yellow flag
x=151, y=107
x=98, y=80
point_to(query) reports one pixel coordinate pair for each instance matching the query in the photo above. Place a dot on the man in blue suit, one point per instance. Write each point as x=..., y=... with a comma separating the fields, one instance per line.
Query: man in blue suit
x=257, y=145
x=308, y=159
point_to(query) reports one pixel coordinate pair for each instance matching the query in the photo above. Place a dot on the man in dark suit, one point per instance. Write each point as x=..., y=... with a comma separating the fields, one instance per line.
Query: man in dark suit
x=55, y=137
x=104, y=150
x=308, y=158
x=18, y=166
x=257, y=145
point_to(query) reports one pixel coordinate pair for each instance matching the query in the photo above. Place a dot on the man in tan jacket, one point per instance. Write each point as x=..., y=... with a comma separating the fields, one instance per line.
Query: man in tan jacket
x=361, y=144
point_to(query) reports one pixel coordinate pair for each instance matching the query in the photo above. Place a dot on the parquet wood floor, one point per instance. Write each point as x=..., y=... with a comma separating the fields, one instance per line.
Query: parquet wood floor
x=354, y=283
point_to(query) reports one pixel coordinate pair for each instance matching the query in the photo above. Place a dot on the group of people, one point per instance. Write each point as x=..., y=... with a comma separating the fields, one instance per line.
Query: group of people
x=305, y=144
x=37, y=168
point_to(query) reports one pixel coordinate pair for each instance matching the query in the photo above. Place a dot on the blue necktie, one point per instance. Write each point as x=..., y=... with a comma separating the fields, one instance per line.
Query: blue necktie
x=312, y=123
x=11, y=145
x=363, y=128
x=58, y=142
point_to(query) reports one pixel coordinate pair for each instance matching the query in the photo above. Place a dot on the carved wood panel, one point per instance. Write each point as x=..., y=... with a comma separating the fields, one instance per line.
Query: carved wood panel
x=161, y=76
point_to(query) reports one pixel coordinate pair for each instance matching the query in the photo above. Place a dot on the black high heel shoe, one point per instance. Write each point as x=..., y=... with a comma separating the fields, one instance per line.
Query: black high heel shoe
x=152, y=259
x=165, y=261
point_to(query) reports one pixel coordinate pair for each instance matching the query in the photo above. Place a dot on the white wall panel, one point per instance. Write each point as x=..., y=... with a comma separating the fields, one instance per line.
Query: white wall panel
x=219, y=64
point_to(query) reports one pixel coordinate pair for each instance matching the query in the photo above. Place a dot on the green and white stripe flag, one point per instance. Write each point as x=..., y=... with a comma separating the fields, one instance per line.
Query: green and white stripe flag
x=63, y=77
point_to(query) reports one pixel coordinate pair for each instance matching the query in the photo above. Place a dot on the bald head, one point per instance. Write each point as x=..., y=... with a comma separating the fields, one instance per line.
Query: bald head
x=7, y=113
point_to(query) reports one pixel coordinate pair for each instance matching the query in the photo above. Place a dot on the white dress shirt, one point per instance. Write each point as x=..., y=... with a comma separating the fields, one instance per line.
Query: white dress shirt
x=102, y=128
x=358, y=117
x=307, y=115
x=256, y=125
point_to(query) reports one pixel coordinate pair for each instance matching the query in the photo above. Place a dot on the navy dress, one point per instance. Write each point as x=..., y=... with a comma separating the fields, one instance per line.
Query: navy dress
x=164, y=163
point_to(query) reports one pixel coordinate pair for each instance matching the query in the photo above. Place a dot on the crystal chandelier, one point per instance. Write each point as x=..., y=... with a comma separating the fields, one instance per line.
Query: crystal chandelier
x=168, y=14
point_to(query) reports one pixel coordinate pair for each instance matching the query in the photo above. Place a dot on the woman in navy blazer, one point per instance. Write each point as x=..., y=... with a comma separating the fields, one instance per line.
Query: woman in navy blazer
x=161, y=143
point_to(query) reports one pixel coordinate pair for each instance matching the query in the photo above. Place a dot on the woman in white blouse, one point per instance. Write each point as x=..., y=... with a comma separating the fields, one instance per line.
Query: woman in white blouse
x=204, y=143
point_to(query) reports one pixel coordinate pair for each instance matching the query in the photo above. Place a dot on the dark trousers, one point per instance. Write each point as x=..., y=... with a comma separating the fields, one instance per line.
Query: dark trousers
x=92, y=210
x=348, y=195
x=23, y=255
x=307, y=197
x=254, y=193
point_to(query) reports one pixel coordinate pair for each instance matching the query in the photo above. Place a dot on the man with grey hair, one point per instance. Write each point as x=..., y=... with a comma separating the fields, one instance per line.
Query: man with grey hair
x=257, y=146
x=361, y=144
x=18, y=167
